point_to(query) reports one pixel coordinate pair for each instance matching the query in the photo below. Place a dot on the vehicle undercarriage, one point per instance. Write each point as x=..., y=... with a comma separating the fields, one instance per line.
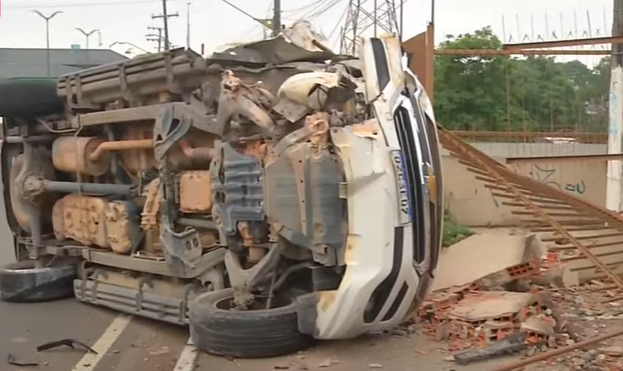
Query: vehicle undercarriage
x=212, y=192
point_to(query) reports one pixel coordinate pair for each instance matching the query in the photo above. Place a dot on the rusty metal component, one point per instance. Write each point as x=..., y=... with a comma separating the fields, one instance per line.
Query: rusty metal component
x=243, y=228
x=244, y=100
x=136, y=160
x=149, y=216
x=495, y=52
x=316, y=130
x=367, y=129
x=27, y=172
x=81, y=218
x=120, y=145
x=574, y=159
x=564, y=43
x=122, y=225
x=319, y=127
x=558, y=352
x=255, y=253
x=202, y=153
x=541, y=205
x=195, y=196
x=526, y=136
x=73, y=154
x=257, y=148
x=33, y=187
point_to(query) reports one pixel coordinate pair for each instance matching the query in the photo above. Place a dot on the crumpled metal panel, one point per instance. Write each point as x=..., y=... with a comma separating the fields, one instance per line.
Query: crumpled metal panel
x=81, y=218
x=274, y=51
x=237, y=191
x=303, y=198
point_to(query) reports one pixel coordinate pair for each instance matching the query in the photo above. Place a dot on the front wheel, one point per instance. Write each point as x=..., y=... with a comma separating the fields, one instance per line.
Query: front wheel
x=218, y=328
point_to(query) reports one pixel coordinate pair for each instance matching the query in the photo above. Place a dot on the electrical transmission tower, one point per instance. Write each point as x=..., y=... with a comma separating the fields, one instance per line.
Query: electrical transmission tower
x=369, y=17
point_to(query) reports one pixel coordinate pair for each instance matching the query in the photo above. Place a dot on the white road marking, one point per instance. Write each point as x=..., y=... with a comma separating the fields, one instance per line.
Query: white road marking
x=188, y=358
x=103, y=344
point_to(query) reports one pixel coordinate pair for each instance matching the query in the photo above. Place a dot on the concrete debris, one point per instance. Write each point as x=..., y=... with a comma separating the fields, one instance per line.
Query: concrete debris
x=540, y=324
x=613, y=351
x=482, y=256
x=533, y=305
x=482, y=306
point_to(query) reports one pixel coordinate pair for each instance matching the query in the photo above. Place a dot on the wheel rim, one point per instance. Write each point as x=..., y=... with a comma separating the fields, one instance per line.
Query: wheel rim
x=260, y=303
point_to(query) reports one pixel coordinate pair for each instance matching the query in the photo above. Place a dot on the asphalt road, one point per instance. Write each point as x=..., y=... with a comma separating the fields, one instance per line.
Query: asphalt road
x=136, y=344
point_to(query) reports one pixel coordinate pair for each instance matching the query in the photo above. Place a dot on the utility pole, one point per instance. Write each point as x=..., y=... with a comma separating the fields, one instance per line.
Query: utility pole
x=47, y=35
x=165, y=18
x=276, y=17
x=87, y=35
x=159, y=38
x=614, y=189
x=188, y=25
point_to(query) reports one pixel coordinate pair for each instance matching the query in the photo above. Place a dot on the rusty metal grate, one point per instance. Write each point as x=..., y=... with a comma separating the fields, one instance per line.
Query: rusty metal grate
x=580, y=229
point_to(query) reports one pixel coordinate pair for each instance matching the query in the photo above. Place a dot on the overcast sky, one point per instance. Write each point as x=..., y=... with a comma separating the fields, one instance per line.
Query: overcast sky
x=214, y=23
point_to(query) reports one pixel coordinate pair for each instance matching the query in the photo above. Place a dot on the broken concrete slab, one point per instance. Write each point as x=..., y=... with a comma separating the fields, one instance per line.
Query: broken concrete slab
x=483, y=306
x=478, y=256
x=539, y=324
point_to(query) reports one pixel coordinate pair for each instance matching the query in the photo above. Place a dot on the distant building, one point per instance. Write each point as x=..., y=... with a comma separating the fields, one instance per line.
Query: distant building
x=32, y=63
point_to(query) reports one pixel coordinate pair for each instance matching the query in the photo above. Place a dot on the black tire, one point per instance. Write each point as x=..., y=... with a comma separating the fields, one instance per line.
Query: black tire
x=244, y=334
x=21, y=282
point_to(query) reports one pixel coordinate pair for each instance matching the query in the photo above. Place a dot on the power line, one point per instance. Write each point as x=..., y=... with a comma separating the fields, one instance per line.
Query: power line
x=339, y=22
x=303, y=8
x=320, y=4
x=320, y=12
x=83, y=5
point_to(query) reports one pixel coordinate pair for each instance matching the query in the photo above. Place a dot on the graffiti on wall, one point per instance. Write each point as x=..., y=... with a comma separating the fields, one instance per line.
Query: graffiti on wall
x=548, y=176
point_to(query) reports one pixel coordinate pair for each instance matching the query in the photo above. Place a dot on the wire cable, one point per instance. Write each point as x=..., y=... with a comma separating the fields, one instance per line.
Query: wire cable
x=302, y=8
x=82, y=5
x=320, y=4
x=320, y=12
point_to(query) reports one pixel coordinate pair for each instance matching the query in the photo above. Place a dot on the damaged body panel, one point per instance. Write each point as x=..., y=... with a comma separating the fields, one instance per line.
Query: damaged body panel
x=275, y=178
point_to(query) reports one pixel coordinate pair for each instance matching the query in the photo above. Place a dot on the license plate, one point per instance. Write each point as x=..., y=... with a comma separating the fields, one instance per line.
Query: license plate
x=404, y=206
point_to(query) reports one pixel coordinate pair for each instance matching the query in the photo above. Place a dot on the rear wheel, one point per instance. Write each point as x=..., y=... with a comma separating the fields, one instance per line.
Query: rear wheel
x=23, y=282
x=218, y=328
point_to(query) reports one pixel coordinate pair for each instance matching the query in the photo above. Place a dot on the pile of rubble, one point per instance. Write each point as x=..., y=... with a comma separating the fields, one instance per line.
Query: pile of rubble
x=534, y=307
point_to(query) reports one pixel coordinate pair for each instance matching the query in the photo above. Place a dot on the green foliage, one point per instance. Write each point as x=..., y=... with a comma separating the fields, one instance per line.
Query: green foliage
x=504, y=93
x=453, y=233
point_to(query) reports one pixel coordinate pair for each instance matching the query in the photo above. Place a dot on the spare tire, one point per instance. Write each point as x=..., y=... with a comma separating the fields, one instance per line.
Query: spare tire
x=216, y=329
x=22, y=282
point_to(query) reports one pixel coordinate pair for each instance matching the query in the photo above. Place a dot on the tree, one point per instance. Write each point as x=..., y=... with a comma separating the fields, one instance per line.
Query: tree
x=502, y=93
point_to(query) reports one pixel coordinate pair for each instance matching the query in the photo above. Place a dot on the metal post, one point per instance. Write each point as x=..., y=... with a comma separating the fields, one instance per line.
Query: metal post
x=402, y=18
x=87, y=35
x=188, y=25
x=614, y=187
x=165, y=18
x=47, y=46
x=376, y=19
x=276, y=17
x=166, y=25
x=47, y=36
